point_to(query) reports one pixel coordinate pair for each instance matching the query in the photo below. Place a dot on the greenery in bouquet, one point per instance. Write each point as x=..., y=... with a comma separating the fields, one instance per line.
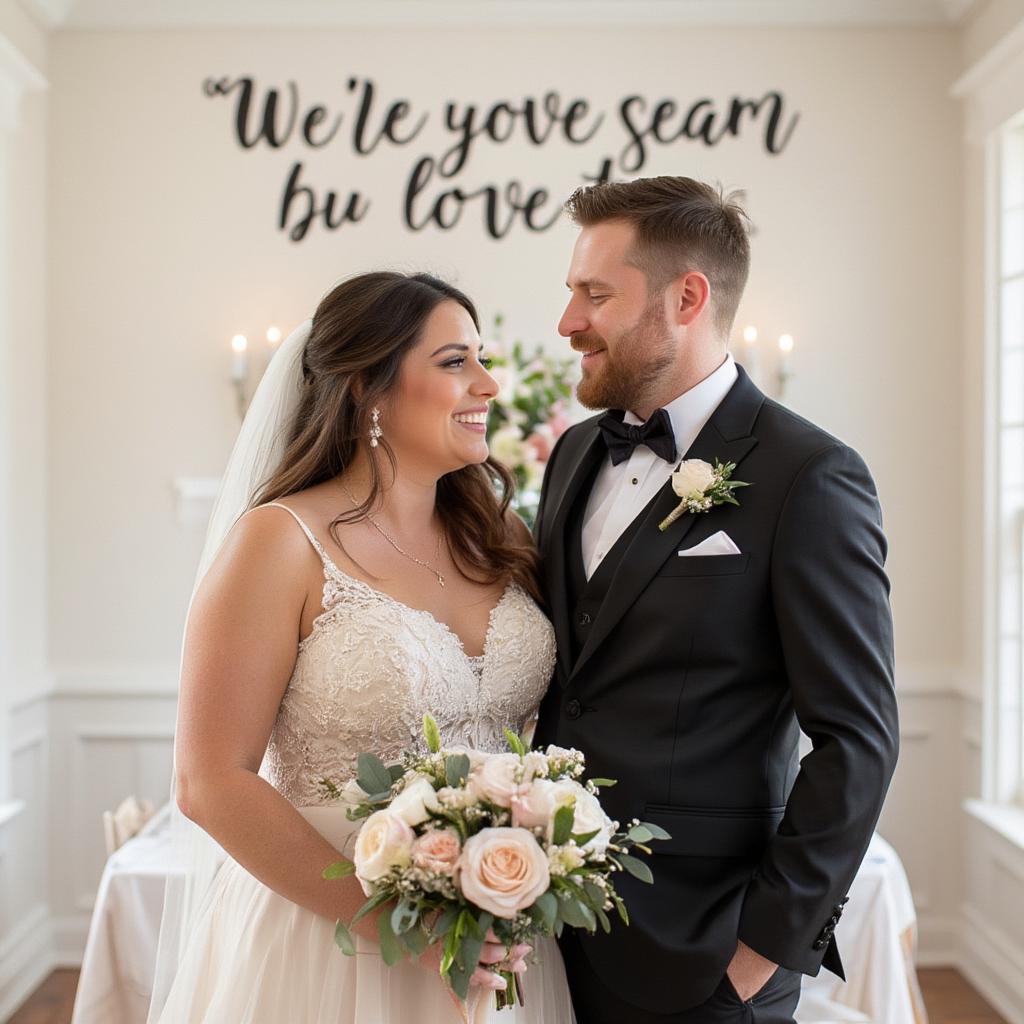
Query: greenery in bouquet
x=459, y=842
x=529, y=413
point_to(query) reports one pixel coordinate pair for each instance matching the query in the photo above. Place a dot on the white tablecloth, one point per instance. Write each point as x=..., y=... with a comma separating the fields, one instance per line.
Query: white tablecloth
x=120, y=953
x=875, y=935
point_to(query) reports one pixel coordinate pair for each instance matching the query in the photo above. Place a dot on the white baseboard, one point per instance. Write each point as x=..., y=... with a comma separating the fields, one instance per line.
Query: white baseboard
x=69, y=937
x=26, y=958
x=993, y=964
x=938, y=940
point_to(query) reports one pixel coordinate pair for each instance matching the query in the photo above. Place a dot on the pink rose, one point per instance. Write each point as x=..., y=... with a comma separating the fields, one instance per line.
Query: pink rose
x=558, y=422
x=541, y=441
x=503, y=870
x=437, y=851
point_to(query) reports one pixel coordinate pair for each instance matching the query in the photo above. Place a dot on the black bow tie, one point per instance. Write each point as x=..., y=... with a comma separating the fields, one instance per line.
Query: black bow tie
x=622, y=438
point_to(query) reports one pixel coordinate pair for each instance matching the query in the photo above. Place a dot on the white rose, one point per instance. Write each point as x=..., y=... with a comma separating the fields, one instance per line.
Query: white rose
x=590, y=817
x=500, y=778
x=415, y=803
x=537, y=806
x=503, y=870
x=506, y=445
x=536, y=764
x=384, y=842
x=693, y=477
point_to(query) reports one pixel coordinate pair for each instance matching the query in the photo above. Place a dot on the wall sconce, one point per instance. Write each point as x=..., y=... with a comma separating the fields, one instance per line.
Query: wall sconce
x=241, y=364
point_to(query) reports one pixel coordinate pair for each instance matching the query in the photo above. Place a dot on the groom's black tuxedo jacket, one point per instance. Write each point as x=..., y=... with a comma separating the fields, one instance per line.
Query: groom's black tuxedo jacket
x=688, y=679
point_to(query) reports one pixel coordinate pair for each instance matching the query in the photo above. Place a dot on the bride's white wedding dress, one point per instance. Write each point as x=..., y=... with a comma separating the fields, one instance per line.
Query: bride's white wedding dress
x=363, y=679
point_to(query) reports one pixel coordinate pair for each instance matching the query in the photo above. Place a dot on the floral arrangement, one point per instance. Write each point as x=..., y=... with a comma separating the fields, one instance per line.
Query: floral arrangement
x=529, y=413
x=461, y=842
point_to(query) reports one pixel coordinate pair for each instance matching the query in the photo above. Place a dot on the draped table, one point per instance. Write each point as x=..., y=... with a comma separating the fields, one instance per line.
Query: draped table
x=876, y=936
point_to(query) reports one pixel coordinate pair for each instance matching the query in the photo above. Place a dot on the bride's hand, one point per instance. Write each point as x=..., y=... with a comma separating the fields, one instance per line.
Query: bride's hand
x=494, y=952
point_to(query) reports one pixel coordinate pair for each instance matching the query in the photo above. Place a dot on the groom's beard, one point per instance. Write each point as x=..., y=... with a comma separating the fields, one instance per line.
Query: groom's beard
x=642, y=356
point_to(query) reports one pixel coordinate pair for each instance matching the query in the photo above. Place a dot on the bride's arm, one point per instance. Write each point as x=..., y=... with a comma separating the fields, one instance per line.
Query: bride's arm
x=240, y=648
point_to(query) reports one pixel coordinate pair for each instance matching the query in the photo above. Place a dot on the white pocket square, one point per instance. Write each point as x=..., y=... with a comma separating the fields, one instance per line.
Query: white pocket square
x=717, y=544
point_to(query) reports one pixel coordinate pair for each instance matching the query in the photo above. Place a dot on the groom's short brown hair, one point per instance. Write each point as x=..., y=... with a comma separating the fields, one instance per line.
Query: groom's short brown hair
x=681, y=224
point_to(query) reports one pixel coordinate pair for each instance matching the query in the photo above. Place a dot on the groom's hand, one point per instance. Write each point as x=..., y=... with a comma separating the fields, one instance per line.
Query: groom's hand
x=749, y=972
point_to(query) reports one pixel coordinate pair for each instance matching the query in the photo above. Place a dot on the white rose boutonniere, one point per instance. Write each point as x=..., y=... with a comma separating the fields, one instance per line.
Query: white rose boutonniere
x=701, y=487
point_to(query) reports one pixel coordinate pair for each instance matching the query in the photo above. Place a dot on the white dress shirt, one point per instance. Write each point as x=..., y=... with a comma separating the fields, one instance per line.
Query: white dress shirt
x=621, y=492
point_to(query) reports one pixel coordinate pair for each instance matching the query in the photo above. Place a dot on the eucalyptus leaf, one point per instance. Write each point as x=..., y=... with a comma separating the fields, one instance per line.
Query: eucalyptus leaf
x=404, y=916
x=636, y=867
x=456, y=769
x=657, y=832
x=396, y=771
x=390, y=947
x=339, y=869
x=445, y=920
x=576, y=913
x=373, y=776
x=343, y=939
x=371, y=904
x=564, y=818
x=639, y=834
x=594, y=893
x=416, y=940
x=546, y=906
x=606, y=925
x=582, y=840
x=605, y=783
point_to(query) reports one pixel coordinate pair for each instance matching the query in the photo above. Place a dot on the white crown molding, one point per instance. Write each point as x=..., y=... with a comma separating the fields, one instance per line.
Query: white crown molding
x=982, y=71
x=210, y=14
x=18, y=75
x=48, y=13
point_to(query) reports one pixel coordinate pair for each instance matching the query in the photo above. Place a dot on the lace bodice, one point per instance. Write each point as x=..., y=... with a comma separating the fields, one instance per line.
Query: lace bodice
x=372, y=667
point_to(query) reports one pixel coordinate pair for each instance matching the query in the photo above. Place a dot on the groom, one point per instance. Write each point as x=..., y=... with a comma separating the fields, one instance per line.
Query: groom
x=690, y=658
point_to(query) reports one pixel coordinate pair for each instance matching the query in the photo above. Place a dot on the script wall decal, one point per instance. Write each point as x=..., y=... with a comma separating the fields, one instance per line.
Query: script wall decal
x=439, y=190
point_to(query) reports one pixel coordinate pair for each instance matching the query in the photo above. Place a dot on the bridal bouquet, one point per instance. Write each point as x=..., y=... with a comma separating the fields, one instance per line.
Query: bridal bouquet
x=463, y=842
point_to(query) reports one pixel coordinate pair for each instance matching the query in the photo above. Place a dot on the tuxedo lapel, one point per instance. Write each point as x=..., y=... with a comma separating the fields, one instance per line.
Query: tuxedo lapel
x=727, y=437
x=592, y=450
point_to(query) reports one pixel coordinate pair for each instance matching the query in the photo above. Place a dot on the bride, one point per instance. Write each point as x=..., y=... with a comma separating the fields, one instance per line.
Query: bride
x=359, y=571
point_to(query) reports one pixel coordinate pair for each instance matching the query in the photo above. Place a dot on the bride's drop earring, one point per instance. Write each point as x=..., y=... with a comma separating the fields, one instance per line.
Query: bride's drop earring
x=375, y=432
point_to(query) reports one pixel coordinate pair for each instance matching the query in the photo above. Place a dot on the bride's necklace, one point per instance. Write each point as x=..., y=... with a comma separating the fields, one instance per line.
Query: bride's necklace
x=412, y=558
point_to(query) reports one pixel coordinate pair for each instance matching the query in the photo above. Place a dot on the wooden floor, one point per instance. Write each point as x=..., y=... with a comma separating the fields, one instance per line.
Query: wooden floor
x=950, y=1000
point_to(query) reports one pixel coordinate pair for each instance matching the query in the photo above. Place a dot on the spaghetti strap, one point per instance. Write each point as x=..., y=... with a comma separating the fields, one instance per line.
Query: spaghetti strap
x=324, y=557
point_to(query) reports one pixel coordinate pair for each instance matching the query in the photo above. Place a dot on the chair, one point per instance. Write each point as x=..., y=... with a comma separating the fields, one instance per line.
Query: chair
x=120, y=825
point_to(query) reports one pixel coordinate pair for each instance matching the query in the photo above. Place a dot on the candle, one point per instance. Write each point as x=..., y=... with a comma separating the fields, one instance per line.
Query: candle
x=273, y=336
x=785, y=347
x=240, y=360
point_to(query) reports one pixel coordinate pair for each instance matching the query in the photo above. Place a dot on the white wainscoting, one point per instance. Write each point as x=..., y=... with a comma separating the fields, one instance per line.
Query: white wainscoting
x=108, y=743
x=26, y=948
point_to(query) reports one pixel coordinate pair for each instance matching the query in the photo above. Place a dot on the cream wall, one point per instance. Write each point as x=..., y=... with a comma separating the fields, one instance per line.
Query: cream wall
x=162, y=245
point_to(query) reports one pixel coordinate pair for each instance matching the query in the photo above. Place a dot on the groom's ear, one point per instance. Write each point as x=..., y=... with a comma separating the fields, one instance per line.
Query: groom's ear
x=690, y=296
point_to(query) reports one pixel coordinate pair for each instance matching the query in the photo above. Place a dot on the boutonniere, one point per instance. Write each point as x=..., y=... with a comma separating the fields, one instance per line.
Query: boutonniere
x=701, y=487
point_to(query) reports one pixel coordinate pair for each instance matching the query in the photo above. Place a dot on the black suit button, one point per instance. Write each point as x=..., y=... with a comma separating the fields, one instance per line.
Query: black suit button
x=820, y=943
x=585, y=619
x=573, y=709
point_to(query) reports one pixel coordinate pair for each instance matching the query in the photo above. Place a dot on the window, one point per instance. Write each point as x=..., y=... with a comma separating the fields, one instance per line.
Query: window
x=1005, y=441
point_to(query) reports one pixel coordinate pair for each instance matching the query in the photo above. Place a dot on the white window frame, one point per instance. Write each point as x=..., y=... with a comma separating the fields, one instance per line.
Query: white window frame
x=1003, y=761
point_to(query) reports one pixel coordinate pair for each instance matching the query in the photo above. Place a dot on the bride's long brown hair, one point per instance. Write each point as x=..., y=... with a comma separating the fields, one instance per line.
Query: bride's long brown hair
x=361, y=333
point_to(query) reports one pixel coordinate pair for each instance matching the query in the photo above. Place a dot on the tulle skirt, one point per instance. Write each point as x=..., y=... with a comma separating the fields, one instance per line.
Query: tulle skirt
x=257, y=958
